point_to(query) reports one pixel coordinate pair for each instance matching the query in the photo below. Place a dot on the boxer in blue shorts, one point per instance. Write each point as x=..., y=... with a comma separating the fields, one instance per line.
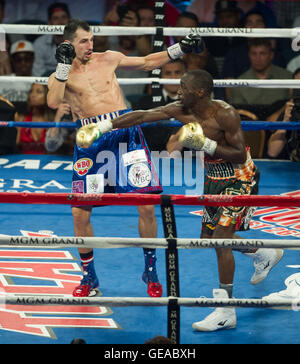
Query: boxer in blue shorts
x=119, y=162
x=86, y=80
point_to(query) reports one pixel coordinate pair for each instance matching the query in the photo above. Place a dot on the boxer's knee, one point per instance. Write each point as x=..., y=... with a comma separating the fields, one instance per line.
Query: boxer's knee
x=147, y=213
x=81, y=215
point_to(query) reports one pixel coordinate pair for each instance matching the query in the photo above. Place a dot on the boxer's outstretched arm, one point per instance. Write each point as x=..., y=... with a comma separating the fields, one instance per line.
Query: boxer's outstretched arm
x=190, y=43
x=87, y=134
x=139, y=117
x=172, y=110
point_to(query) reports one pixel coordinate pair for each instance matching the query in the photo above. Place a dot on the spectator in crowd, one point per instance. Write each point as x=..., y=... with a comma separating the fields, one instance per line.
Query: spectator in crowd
x=186, y=20
x=261, y=56
x=2, y=8
x=32, y=10
x=206, y=62
x=285, y=144
x=143, y=17
x=61, y=140
x=5, y=67
x=205, y=10
x=32, y=140
x=22, y=57
x=203, y=61
x=158, y=136
x=45, y=46
x=173, y=70
x=171, y=11
x=237, y=60
x=127, y=45
x=197, y=61
x=285, y=12
x=7, y=135
x=146, y=17
x=228, y=15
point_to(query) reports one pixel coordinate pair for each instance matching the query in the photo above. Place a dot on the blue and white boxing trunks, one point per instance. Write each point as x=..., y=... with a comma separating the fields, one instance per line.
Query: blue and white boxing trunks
x=118, y=162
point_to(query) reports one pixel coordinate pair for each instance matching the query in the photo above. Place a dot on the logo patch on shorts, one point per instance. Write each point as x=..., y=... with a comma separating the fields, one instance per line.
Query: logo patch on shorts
x=83, y=165
x=95, y=183
x=78, y=186
x=139, y=175
x=135, y=156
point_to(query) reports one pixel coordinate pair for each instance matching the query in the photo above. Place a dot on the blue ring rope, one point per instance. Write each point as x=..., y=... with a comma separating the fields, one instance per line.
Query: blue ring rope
x=246, y=125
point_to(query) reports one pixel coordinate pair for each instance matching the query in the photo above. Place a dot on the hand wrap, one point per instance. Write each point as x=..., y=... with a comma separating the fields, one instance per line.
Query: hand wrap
x=190, y=43
x=65, y=53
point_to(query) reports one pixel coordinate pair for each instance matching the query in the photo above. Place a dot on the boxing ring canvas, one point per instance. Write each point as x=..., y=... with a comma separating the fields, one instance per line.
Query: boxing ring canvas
x=56, y=272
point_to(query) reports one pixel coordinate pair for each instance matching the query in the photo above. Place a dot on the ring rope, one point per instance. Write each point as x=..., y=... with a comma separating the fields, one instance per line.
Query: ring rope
x=153, y=243
x=246, y=125
x=40, y=29
x=279, y=83
x=127, y=199
x=11, y=299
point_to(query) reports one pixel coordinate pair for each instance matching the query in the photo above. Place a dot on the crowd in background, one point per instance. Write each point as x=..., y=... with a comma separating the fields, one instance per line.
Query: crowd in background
x=224, y=57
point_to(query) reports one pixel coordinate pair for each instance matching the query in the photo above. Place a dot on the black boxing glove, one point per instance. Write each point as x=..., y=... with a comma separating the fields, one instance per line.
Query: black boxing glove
x=65, y=53
x=190, y=43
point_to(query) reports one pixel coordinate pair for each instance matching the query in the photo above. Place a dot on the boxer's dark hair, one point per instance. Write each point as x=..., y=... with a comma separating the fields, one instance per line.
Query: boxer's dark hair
x=71, y=28
x=201, y=79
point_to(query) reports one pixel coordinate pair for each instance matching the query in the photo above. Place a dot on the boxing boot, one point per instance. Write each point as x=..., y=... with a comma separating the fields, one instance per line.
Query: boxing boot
x=154, y=288
x=88, y=283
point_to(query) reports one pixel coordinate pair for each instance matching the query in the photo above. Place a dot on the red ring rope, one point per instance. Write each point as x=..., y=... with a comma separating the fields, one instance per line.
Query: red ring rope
x=145, y=199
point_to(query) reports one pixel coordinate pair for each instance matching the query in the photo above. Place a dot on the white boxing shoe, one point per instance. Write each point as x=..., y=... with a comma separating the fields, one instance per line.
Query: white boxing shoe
x=292, y=291
x=264, y=261
x=222, y=318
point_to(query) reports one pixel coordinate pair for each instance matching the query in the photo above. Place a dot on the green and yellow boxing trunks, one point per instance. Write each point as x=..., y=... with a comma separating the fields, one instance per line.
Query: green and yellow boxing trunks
x=226, y=178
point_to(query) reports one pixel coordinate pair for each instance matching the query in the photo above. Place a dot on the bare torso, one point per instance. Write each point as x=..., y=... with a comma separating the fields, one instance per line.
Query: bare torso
x=92, y=88
x=213, y=120
x=220, y=122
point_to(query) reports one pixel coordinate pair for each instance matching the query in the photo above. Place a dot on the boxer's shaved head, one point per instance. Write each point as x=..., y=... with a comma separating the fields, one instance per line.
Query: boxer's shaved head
x=198, y=79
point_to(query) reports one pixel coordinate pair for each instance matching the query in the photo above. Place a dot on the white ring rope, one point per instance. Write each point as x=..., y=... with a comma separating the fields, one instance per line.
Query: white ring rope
x=168, y=81
x=11, y=299
x=116, y=242
x=167, y=31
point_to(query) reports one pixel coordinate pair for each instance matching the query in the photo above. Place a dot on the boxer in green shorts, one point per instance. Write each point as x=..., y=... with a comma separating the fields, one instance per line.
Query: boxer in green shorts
x=225, y=178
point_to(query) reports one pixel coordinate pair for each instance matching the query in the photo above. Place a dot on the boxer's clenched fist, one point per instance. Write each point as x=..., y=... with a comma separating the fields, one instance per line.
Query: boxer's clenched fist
x=87, y=134
x=191, y=136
